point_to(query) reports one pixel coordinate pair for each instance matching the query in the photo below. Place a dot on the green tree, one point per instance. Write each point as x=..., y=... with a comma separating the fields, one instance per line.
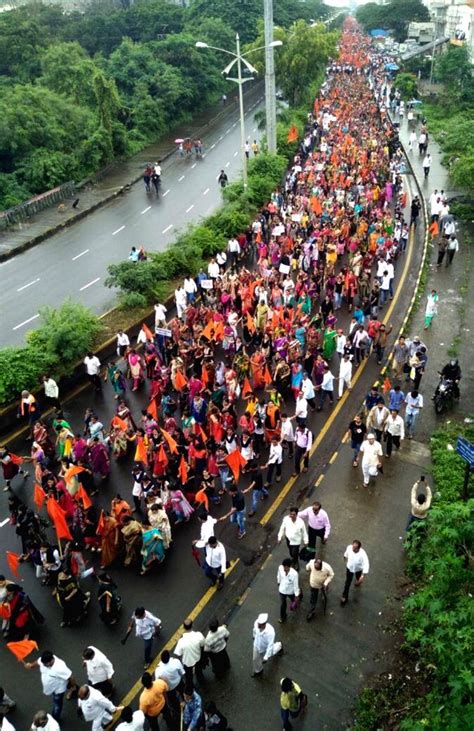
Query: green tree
x=407, y=83
x=395, y=16
x=454, y=70
x=77, y=82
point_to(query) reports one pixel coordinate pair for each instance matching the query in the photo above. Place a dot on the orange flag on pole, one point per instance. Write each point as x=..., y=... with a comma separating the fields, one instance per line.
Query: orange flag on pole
x=201, y=497
x=13, y=561
x=101, y=524
x=162, y=458
x=73, y=471
x=119, y=423
x=172, y=443
x=267, y=376
x=292, y=134
x=152, y=409
x=16, y=459
x=386, y=385
x=81, y=494
x=209, y=331
x=183, y=471
x=61, y=526
x=235, y=462
x=180, y=381
x=39, y=496
x=140, y=452
x=246, y=388
x=199, y=432
x=147, y=331
x=316, y=206
x=22, y=648
x=250, y=323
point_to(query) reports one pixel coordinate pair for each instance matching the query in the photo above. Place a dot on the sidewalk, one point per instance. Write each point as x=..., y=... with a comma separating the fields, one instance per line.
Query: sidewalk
x=111, y=183
x=449, y=335
x=332, y=656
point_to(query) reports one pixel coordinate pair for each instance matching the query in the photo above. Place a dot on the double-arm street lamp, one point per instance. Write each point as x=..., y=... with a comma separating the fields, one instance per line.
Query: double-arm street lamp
x=239, y=59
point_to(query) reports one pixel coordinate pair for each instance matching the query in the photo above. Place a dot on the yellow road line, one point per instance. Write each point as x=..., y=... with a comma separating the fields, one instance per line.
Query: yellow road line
x=332, y=417
x=126, y=700
x=319, y=480
x=333, y=458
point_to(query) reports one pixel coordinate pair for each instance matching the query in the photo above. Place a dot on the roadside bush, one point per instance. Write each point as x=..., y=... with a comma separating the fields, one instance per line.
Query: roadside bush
x=65, y=334
x=133, y=301
x=20, y=368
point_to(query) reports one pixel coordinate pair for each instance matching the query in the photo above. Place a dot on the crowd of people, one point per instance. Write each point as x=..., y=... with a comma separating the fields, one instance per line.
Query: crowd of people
x=273, y=330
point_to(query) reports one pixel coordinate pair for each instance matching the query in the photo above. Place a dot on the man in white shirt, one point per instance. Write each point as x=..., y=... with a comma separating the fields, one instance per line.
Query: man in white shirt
x=160, y=315
x=43, y=721
x=301, y=409
x=414, y=403
x=123, y=342
x=207, y=529
x=320, y=576
x=384, y=287
x=274, y=461
x=146, y=627
x=213, y=269
x=221, y=259
x=293, y=529
x=99, y=669
x=95, y=707
x=303, y=444
x=233, y=248
x=288, y=586
x=131, y=720
x=327, y=388
x=171, y=670
x=357, y=563
x=181, y=301
x=372, y=454
x=340, y=343
x=216, y=562
x=395, y=431
x=307, y=388
x=56, y=678
x=264, y=645
x=5, y=724
x=189, y=649
x=190, y=287
x=51, y=391
x=345, y=374
x=92, y=364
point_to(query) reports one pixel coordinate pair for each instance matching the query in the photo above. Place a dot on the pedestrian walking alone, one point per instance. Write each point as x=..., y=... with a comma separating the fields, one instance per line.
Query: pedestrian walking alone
x=264, y=645
x=293, y=529
x=372, y=454
x=320, y=576
x=426, y=164
x=292, y=702
x=357, y=564
x=420, y=502
x=431, y=309
x=147, y=626
x=288, y=587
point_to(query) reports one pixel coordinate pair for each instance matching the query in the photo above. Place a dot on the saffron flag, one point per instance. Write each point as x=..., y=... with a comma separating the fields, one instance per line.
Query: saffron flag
x=292, y=134
x=152, y=409
x=201, y=497
x=22, y=648
x=235, y=462
x=73, y=471
x=140, y=452
x=39, y=496
x=101, y=524
x=199, y=432
x=250, y=324
x=147, y=331
x=119, y=423
x=61, y=526
x=267, y=376
x=316, y=206
x=386, y=385
x=162, y=458
x=183, y=471
x=246, y=388
x=180, y=381
x=81, y=494
x=16, y=459
x=172, y=443
x=209, y=331
x=434, y=229
x=13, y=561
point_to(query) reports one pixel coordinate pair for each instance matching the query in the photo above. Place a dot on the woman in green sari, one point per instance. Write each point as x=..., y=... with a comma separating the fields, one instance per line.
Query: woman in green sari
x=152, y=549
x=329, y=343
x=116, y=378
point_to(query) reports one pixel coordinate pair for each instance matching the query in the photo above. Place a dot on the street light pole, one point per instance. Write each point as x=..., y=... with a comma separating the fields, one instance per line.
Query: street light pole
x=270, y=91
x=240, y=82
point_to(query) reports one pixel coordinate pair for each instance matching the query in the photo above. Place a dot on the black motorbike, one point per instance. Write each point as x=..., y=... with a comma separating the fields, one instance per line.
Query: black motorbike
x=444, y=395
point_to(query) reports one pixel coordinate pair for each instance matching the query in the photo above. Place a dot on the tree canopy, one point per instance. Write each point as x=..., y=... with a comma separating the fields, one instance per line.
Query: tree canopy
x=394, y=16
x=83, y=88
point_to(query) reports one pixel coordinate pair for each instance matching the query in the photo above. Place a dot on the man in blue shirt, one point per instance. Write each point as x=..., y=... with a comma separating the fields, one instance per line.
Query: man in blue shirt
x=396, y=398
x=192, y=713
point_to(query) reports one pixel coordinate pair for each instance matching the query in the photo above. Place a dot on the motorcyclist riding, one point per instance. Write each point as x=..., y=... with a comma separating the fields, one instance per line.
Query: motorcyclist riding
x=451, y=372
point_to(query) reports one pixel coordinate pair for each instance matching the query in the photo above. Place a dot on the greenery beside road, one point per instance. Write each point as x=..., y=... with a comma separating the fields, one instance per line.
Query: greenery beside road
x=394, y=16
x=432, y=684
x=81, y=89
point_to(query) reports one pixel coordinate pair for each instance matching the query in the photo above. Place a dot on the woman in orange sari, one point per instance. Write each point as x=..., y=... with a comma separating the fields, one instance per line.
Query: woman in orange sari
x=257, y=363
x=111, y=541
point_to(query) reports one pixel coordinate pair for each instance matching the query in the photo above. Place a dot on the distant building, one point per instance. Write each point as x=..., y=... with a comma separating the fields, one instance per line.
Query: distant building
x=421, y=32
x=454, y=19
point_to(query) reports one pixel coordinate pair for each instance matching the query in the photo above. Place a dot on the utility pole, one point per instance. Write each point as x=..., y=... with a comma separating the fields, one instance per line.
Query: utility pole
x=241, y=82
x=270, y=91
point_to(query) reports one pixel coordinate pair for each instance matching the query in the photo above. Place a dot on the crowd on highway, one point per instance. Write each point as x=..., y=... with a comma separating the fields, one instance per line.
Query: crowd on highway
x=272, y=331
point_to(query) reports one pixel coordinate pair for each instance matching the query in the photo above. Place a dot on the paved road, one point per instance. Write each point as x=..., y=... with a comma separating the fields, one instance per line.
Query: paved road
x=74, y=262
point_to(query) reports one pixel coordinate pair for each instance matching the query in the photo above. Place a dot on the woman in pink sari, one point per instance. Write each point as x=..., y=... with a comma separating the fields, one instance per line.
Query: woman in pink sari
x=136, y=369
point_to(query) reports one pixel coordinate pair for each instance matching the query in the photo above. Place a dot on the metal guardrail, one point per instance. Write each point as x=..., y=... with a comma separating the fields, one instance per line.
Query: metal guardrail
x=22, y=212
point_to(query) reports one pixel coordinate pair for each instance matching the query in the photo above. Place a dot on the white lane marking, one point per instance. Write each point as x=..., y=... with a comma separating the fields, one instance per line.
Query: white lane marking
x=30, y=284
x=234, y=125
x=25, y=322
x=194, y=165
x=145, y=210
x=254, y=129
x=227, y=131
x=190, y=208
x=166, y=192
x=236, y=153
x=212, y=146
x=227, y=163
x=165, y=230
x=206, y=191
x=89, y=284
x=118, y=230
x=220, y=138
x=4, y=522
x=181, y=178
x=78, y=256
x=4, y=263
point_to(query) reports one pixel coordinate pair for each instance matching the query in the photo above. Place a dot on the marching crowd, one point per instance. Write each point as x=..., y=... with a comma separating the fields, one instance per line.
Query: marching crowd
x=273, y=330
